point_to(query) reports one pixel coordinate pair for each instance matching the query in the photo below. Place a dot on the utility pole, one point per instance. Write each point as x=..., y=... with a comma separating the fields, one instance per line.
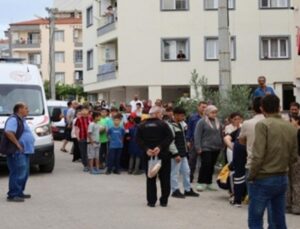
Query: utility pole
x=224, y=49
x=51, y=12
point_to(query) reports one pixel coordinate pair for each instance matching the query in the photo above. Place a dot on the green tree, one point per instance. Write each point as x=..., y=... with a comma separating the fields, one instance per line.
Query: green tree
x=238, y=99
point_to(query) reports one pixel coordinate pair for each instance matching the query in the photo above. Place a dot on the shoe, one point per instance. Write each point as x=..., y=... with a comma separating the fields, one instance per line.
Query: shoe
x=235, y=204
x=201, y=187
x=26, y=196
x=63, y=150
x=191, y=193
x=15, y=199
x=117, y=172
x=108, y=172
x=86, y=169
x=178, y=194
x=210, y=187
x=100, y=171
x=151, y=205
x=163, y=205
x=138, y=172
x=94, y=172
x=130, y=172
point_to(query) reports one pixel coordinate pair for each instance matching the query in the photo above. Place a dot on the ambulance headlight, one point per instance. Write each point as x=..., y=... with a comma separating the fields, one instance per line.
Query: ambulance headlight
x=43, y=130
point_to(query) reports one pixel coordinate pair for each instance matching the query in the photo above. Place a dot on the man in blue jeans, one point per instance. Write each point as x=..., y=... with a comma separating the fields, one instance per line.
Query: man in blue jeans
x=18, y=162
x=275, y=148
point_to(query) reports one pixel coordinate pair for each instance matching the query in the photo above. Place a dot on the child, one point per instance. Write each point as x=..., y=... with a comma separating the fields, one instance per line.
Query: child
x=94, y=144
x=116, y=136
x=134, y=150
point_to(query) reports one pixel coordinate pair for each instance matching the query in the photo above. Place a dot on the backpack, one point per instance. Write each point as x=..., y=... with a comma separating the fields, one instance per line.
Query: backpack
x=6, y=146
x=223, y=179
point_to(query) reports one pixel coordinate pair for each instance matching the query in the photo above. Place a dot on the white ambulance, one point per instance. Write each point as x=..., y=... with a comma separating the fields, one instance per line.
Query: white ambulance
x=23, y=83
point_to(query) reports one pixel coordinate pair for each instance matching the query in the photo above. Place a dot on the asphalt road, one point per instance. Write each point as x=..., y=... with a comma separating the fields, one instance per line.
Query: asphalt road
x=71, y=199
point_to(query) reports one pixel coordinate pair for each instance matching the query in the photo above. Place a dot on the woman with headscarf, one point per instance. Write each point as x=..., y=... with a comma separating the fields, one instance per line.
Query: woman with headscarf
x=208, y=144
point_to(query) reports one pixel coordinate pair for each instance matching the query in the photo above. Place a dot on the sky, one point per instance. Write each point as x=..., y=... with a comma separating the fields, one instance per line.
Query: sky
x=21, y=10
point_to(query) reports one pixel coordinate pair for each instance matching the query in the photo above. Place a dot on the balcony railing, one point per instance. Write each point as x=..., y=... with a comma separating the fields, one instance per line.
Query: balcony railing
x=107, y=24
x=107, y=71
x=30, y=43
x=77, y=42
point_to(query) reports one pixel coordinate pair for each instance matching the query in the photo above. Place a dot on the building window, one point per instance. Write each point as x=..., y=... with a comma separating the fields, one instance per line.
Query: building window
x=34, y=58
x=90, y=59
x=59, y=57
x=274, y=4
x=59, y=36
x=274, y=48
x=212, y=48
x=214, y=4
x=78, y=75
x=78, y=56
x=175, y=49
x=60, y=77
x=174, y=5
x=89, y=16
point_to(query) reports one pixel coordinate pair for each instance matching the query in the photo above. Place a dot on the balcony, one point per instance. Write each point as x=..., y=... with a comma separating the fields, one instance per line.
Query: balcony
x=28, y=44
x=107, y=24
x=77, y=42
x=107, y=71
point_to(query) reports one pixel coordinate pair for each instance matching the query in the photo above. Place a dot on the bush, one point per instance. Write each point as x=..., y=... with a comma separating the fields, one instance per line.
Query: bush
x=238, y=98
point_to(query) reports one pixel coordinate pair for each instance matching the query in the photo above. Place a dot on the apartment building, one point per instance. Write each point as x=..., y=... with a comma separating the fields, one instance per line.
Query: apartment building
x=150, y=48
x=30, y=40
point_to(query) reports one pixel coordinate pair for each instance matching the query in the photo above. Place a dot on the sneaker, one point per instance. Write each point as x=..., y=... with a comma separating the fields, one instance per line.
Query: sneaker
x=94, y=172
x=25, y=196
x=129, y=172
x=108, y=172
x=201, y=187
x=86, y=169
x=191, y=193
x=235, y=204
x=178, y=194
x=15, y=199
x=117, y=172
x=138, y=172
x=210, y=187
x=100, y=171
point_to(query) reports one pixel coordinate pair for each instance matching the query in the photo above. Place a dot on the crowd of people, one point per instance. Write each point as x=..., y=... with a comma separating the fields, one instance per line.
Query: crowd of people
x=260, y=155
x=109, y=139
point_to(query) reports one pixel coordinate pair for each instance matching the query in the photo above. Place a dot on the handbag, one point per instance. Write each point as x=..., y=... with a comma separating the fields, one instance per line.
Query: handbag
x=154, y=165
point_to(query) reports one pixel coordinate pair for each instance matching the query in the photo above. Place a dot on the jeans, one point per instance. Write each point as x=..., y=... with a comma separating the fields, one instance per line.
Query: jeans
x=18, y=165
x=82, y=144
x=262, y=192
x=183, y=168
x=114, y=156
x=193, y=160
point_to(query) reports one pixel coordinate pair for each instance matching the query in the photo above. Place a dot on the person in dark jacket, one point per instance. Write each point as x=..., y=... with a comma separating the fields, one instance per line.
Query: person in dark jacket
x=135, y=151
x=154, y=137
x=192, y=122
x=179, y=162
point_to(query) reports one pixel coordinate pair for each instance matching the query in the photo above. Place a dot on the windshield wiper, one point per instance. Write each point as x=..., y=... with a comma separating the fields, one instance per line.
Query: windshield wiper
x=5, y=114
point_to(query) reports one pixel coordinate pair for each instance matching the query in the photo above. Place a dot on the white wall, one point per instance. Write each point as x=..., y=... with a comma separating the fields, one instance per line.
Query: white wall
x=141, y=25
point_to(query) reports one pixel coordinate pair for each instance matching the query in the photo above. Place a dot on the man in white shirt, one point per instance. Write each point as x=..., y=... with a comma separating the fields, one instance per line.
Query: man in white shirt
x=247, y=137
x=247, y=134
x=134, y=102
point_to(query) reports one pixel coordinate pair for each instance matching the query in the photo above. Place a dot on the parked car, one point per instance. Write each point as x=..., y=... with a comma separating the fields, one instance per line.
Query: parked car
x=23, y=82
x=56, y=111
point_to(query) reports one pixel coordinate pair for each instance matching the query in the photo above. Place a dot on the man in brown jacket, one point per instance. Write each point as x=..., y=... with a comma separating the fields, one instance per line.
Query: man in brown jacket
x=274, y=150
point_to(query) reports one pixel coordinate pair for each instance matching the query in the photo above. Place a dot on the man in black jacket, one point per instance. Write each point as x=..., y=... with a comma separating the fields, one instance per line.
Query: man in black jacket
x=154, y=137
